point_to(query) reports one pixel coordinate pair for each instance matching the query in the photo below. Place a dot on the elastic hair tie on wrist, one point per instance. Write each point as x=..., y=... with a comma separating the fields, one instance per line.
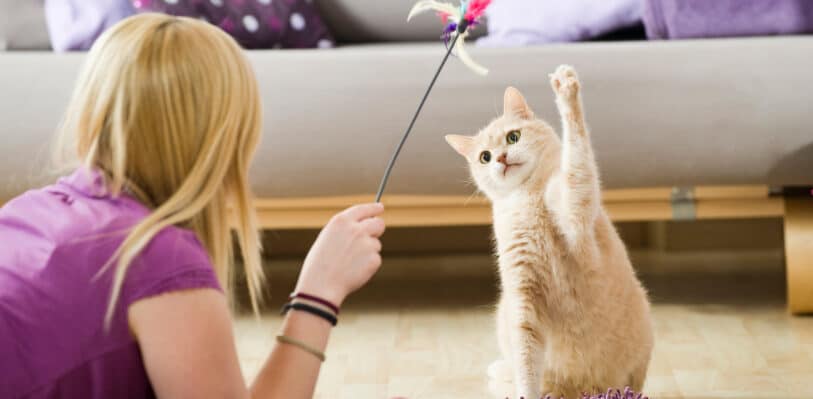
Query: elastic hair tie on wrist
x=310, y=309
x=301, y=345
x=316, y=299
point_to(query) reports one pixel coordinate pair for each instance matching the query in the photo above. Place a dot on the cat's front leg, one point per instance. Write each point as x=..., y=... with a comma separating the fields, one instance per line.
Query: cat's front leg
x=574, y=191
x=526, y=353
x=500, y=370
x=566, y=86
x=527, y=367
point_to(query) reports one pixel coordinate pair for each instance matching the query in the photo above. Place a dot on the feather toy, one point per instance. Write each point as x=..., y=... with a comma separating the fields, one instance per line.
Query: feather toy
x=457, y=21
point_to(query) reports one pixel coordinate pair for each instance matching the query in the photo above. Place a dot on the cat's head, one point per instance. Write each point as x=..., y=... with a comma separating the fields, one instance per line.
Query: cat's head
x=513, y=151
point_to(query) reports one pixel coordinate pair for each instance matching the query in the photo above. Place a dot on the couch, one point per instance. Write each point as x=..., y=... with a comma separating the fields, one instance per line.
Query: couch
x=715, y=128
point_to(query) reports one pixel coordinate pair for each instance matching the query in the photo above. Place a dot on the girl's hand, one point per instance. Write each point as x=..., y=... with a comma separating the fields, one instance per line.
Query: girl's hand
x=345, y=255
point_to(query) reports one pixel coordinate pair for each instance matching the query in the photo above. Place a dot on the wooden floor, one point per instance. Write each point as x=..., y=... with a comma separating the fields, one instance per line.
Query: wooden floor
x=424, y=329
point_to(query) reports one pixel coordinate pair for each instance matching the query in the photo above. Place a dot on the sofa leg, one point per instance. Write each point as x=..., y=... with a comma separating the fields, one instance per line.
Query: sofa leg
x=799, y=254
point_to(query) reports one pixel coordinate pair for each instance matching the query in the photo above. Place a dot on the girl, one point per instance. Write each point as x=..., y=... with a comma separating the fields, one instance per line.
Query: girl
x=114, y=280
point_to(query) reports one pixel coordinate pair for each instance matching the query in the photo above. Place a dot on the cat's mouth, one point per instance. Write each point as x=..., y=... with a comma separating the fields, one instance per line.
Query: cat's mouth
x=509, y=166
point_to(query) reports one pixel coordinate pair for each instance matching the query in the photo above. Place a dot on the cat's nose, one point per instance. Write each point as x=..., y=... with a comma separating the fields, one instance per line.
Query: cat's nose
x=503, y=159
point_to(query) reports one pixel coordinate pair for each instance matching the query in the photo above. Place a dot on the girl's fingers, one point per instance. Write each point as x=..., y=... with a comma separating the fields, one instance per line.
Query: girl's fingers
x=375, y=244
x=360, y=212
x=373, y=226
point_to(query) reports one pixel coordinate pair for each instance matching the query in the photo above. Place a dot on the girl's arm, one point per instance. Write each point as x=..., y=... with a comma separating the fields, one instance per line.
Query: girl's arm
x=188, y=349
x=186, y=337
x=291, y=372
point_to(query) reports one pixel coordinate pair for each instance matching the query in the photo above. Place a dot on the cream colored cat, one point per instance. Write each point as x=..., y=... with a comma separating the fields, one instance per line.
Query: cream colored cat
x=572, y=316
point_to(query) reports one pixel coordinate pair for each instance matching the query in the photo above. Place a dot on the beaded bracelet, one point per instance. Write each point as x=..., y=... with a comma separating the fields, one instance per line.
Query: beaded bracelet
x=316, y=299
x=310, y=309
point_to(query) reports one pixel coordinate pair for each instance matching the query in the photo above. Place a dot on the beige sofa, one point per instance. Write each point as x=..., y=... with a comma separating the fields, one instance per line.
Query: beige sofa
x=682, y=130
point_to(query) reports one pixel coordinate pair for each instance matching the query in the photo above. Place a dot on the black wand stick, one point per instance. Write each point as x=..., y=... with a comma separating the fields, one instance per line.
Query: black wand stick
x=460, y=30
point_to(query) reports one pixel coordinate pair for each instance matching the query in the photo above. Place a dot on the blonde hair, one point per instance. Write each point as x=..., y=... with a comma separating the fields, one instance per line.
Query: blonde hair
x=168, y=109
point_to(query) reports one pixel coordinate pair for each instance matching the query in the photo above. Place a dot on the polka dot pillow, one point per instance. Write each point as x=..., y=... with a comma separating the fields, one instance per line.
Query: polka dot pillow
x=254, y=23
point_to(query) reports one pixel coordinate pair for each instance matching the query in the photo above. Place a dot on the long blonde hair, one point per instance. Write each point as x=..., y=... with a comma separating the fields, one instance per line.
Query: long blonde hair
x=168, y=109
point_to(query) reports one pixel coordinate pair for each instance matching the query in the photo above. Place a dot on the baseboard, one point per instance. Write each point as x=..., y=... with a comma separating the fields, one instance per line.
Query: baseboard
x=623, y=205
x=645, y=261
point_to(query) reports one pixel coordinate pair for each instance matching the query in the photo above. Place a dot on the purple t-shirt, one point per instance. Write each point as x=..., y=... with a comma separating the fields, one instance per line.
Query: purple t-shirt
x=53, y=241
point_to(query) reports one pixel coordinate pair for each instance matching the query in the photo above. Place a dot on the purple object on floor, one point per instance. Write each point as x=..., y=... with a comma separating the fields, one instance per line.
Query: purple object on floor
x=254, y=23
x=611, y=393
x=513, y=23
x=617, y=394
x=685, y=19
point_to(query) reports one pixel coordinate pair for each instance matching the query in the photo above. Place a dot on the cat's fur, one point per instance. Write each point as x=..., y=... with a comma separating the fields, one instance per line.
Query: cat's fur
x=572, y=316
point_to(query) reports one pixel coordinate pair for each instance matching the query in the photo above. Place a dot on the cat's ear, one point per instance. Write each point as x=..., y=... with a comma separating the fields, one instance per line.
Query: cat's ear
x=514, y=104
x=461, y=144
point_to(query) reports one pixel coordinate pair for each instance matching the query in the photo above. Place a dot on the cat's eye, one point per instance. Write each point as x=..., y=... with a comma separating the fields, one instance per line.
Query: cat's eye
x=512, y=137
x=485, y=157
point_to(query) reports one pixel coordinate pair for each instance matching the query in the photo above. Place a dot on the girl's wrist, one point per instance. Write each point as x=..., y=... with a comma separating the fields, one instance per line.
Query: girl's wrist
x=297, y=305
x=330, y=296
x=313, y=299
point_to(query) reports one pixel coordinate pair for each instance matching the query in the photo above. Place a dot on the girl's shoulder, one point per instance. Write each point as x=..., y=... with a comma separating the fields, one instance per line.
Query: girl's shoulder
x=76, y=225
x=174, y=260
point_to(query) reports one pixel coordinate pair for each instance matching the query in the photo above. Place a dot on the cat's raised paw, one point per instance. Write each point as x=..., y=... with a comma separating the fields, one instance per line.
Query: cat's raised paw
x=565, y=82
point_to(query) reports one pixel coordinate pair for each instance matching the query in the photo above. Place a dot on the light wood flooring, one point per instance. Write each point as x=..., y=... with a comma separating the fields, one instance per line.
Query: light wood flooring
x=424, y=329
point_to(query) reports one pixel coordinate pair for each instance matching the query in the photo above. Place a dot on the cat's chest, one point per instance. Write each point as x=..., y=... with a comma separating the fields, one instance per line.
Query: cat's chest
x=524, y=223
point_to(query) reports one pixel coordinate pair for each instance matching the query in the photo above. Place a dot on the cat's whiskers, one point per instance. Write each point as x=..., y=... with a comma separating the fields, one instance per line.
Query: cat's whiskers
x=476, y=193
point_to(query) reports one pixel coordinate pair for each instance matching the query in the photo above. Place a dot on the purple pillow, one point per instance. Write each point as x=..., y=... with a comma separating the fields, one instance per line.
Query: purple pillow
x=254, y=23
x=689, y=19
x=514, y=23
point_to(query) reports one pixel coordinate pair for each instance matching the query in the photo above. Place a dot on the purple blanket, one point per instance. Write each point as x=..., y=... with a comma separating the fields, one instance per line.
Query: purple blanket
x=683, y=19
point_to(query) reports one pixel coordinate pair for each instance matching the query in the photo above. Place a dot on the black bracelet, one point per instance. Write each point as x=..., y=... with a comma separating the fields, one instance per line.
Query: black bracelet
x=310, y=309
x=316, y=299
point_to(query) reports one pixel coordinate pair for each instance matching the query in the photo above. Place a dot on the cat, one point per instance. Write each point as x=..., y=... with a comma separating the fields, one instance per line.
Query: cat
x=572, y=316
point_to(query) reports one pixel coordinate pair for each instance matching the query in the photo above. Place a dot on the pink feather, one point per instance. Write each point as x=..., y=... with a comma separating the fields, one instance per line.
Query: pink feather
x=444, y=17
x=476, y=9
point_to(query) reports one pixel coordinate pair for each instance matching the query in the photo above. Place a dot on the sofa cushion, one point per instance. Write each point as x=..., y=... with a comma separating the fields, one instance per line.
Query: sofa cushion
x=22, y=25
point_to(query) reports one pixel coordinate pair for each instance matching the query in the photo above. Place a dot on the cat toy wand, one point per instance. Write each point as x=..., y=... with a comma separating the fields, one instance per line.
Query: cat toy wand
x=458, y=20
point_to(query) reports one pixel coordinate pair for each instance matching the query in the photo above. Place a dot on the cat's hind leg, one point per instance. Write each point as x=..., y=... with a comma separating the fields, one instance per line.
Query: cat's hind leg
x=638, y=376
x=558, y=387
x=567, y=378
